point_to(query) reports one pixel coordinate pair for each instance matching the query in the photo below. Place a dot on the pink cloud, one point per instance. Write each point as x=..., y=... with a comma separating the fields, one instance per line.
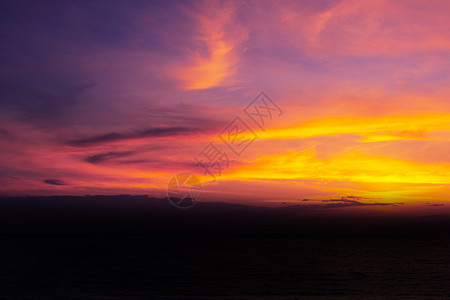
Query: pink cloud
x=217, y=49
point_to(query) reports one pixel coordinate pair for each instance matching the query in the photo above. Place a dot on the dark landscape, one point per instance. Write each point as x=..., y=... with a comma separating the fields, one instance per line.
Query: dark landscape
x=136, y=247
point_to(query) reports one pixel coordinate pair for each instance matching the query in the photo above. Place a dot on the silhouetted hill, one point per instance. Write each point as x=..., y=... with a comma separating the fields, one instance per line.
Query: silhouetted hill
x=138, y=247
x=142, y=214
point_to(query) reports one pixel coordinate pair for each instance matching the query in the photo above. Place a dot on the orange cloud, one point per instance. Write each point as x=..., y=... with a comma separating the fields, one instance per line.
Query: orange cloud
x=353, y=166
x=373, y=129
x=218, y=38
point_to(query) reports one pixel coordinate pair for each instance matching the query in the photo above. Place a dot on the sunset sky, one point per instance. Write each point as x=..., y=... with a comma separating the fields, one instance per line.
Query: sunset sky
x=117, y=97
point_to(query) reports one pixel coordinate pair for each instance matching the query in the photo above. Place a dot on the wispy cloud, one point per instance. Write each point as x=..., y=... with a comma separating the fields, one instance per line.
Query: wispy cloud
x=367, y=28
x=100, y=158
x=218, y=45
x=54, y=182
x=373, y=129
x=147, y=133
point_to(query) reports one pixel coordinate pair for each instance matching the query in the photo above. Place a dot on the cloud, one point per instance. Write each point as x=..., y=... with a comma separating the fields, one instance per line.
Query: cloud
x=217, y=49
x=352, y=166
x=345, y=202
x=147, y=133
x=337, y=203
x=367, y=28
x=373, y=129
x=54, y=182
x=206, y=116
x=331, y=204
x=100, y=158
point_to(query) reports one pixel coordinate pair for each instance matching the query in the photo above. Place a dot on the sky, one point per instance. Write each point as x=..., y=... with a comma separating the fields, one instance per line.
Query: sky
x=266, y=102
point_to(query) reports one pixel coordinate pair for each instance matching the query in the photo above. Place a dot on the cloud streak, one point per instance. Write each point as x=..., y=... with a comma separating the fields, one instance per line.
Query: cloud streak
x=54, y=182
x=103, y=157
x=143, y=134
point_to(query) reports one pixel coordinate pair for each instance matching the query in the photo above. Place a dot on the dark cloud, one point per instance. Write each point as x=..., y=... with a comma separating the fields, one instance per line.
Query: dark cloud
x=346, y=199
x=160, y=164
x=4, y=133
x=350, y=203
x=99, y=158
x=54, y=182
x=340, y=203
x=125, y=158
x=135, y=161
x=434, y=204
x=114, y=136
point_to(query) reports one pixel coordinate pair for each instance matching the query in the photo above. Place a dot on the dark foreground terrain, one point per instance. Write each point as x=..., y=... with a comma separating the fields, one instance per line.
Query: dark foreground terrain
x=126, y=247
